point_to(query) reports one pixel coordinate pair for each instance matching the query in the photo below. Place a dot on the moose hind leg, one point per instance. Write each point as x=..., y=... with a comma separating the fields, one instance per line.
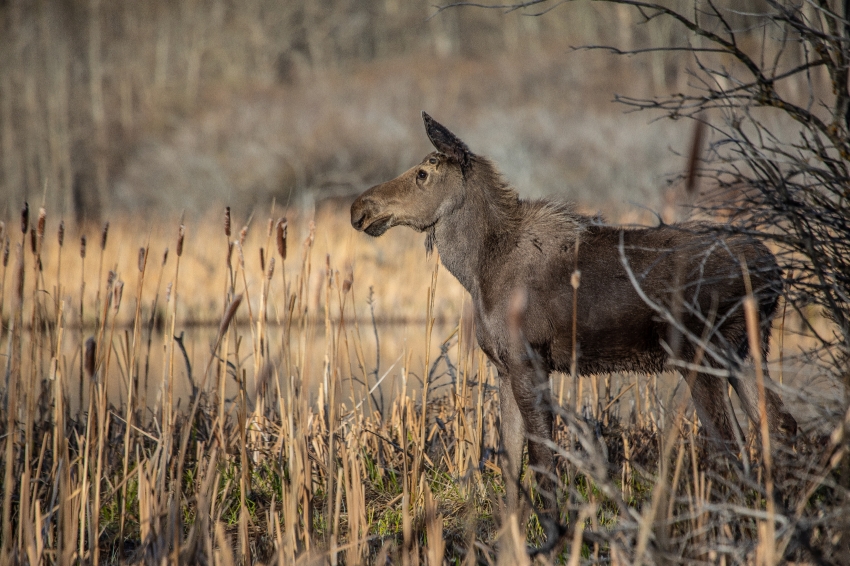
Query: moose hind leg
x=779, y=420
x=711, y=401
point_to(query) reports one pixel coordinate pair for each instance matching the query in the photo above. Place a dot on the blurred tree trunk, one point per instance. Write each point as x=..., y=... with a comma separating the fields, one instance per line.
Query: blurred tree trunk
x=98, y=114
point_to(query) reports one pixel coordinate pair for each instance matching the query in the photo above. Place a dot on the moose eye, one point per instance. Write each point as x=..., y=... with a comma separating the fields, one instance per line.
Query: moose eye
x=432, y=161
x=422, y=174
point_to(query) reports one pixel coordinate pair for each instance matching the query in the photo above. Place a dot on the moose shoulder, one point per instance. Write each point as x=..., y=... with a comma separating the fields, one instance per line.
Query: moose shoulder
x=500, y=246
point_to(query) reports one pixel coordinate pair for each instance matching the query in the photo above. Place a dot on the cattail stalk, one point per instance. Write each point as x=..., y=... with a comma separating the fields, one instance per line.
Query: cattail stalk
x=97, y=370
x=767, y=538
x=330, y=384
x=132, y=386
x=61, y=461
x=12, y=402
x=103, y=235
x=169, y=397
x=87, y=362
x=152, y=320
x=280, y=241
x=342, y=335
x=112, y=298
x=429, y=327
x=262, y=317
x=82, y=315
x=60, y=237
x=241, y=267
x=306, y=266
x=228, y=317
x=4, y=242
x=174, y=536
x=31, y=388
x=244, y=477
x=229, y=284
x=229, y=281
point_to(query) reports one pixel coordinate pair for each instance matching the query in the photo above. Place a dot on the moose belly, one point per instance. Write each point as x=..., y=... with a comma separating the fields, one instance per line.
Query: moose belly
x=611, y=336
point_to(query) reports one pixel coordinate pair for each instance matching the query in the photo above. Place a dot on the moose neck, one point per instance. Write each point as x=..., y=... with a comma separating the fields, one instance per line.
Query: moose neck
x=473, y=236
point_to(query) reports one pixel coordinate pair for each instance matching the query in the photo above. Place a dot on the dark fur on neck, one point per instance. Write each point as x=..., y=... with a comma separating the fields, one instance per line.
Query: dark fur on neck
x=430, y=241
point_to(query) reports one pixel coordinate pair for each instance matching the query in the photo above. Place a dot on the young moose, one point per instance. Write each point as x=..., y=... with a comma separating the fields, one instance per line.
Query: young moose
x=501, y=247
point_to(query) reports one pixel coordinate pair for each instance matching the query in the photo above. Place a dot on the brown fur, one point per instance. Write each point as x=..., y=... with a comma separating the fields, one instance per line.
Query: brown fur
x=497, y=244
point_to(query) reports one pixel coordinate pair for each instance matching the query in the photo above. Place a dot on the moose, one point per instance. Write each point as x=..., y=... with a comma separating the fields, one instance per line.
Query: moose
x=501, y=247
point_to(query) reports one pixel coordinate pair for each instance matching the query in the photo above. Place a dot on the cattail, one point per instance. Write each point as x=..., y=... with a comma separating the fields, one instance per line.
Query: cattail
x=181, y=233
x=117, y=293
x=6, y=254
x=349, y=278
x=271, y=268
x=25, y=218
x=89, y=357
x=229, y=314
x=271, y=227
x=165, y=256
x=19, y=279
x=42, y=219
x=110, y=279
x=103, y=236
x=328, y=270
x=281, y=237
x=227, y=222
x=60, y=234
x=83, y=246
x=33, y=241
x=143, y=255
x=575, y=279
x=262, y=259
x=242, y=235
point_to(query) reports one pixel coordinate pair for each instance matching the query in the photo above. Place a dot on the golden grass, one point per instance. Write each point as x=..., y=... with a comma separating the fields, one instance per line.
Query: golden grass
x=394, y=270
x=277, y=450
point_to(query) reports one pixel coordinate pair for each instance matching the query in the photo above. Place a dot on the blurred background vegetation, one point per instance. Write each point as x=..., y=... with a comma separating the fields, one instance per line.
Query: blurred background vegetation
x=174, y=106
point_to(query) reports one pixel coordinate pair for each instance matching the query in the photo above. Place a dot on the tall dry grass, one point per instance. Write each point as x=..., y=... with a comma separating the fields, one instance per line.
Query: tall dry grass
x=270, y=443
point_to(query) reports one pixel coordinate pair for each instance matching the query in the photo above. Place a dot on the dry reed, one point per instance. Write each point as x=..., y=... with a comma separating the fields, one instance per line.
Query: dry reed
x=287, y=456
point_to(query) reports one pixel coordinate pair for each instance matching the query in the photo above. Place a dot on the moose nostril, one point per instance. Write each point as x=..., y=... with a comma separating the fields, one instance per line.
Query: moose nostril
x=359, y=222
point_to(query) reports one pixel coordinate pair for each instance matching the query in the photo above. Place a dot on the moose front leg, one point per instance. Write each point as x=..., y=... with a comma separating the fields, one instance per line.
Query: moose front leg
x=534, y=401
x=512, y=430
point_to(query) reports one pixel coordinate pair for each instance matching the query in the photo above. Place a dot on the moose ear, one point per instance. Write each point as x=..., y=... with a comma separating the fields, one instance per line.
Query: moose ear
x=445, y=141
